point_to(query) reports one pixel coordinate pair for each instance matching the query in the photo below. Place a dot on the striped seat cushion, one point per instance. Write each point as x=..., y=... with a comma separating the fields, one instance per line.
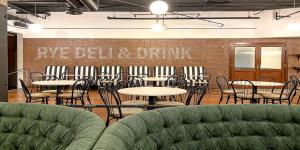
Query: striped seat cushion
x=85, y=71
x=110, y=72
x=194, y=74
x=56, y=71
x=164, y=72
x=138, y=70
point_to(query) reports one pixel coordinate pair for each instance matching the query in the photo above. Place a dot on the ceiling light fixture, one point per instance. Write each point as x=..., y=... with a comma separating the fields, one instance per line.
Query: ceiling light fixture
x=158, y=27
x=159, y=7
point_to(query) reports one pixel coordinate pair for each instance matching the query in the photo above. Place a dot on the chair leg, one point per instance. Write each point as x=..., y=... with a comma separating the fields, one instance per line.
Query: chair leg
x=235, y=99
x=88, y=98
x=228, y=98
x=221, y=98
x=273, y=101
x=298, y=100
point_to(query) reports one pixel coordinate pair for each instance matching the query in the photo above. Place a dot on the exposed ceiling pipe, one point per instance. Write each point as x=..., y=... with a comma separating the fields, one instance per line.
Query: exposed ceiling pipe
x=75, y=3
x=90, y=4
x=12, y=17
x=24, y=10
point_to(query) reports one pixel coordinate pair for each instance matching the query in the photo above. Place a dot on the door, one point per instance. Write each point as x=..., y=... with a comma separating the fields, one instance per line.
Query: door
x=12, y=61
x=251, y=61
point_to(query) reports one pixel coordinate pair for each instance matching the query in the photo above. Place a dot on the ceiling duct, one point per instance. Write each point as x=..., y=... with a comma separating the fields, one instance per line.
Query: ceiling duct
x=217, y=1
x=75, y=3
x=73, y=11
x=90, y=4
x=12, y=17
x=20, y=24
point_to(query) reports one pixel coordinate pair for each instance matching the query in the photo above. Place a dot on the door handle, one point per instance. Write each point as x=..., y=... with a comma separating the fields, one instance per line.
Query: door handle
x=257, y=66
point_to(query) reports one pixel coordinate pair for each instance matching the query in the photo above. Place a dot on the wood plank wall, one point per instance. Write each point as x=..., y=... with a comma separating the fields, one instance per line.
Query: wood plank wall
x=211, y=53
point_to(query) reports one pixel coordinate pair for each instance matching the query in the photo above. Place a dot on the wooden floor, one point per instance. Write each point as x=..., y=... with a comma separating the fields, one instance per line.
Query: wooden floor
x=17, y=96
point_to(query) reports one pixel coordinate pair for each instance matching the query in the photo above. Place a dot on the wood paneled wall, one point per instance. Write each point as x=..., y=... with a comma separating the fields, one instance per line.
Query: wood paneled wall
x=211, y=53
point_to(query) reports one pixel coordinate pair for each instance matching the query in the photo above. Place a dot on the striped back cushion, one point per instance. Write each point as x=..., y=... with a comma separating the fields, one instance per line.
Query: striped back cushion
x=56, y=71
x=193, y=72
x=81, y=71
x=138, y=70
x=164, y=71
x=113, y=71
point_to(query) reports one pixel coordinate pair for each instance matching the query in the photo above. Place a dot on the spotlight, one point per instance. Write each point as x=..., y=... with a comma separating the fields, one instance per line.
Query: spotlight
x=158, y=27
x=159, y=7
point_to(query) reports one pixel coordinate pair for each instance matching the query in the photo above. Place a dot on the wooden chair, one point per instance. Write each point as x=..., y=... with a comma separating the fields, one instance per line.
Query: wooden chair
x=225, y=89
x=34, y=97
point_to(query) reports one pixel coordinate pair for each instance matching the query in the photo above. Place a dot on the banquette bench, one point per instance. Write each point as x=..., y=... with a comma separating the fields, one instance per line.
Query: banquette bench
x=209, y=127
x=45, y=127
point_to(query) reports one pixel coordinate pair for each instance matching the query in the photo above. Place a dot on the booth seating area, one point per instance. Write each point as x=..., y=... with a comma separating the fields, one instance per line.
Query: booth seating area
x=210, y=127
x=45, y=127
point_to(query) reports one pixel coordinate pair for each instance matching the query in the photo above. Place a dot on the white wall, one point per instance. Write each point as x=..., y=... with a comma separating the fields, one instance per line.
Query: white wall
x=265, y=27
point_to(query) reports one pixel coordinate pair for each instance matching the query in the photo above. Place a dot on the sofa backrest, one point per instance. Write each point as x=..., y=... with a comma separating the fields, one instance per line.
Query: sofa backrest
x=36, y=126
x=209, y=127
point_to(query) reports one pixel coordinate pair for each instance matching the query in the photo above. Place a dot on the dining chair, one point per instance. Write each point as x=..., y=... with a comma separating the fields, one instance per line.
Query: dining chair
x=285, y=94
x=90, y=82
x=296, y=79
x=34, y=97
x=79, y=88
x=244, y=90
x=36, y=76
x=109, y=98
x=225, y=88
x=49, y=89
x=198, y=94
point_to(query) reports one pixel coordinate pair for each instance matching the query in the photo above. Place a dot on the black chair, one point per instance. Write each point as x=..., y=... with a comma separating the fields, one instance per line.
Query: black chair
x=198, y=94
x=285, y=94
x=296, y=79
x=79, y=88
x=111, y=97
x=34, y=97
x=36, y=76
x=225, y=88
x=244, y=90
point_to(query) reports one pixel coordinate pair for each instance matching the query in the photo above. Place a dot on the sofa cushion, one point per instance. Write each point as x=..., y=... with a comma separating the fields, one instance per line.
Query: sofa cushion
x=36, y=126
x=218, y=127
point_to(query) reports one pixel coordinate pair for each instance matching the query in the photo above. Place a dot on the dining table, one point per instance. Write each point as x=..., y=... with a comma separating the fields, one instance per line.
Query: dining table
x=152, y=92
x=55, y=83
x=257, y=84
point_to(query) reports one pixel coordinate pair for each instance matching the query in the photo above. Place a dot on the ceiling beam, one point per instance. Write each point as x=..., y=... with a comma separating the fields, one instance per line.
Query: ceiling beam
x=179, y=18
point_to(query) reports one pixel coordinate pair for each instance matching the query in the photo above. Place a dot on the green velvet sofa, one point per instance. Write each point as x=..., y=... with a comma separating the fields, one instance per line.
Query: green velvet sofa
x=210, y=127
x=44, y=127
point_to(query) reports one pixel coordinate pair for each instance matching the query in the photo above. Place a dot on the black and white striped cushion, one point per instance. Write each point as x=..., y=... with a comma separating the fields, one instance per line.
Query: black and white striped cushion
x=56, y=71
x=113, y=71
x=193, y=73
x=138, y=70
x=81, y=71
x=164, y=71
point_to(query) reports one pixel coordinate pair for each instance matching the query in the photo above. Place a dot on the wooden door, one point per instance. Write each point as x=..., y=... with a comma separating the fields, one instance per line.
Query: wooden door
x=251, y=61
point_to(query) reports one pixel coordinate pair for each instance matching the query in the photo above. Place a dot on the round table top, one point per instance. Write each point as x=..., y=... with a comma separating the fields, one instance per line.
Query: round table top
x=260, y=83
x=155, y=79
x=152, y=91
x=54, y=82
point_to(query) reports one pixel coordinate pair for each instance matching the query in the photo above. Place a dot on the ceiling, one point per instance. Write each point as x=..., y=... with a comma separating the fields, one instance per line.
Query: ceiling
x=46, y=6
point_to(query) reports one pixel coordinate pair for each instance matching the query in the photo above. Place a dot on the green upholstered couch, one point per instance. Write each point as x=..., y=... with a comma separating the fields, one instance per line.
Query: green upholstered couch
x=210, y=127
x=44, y=127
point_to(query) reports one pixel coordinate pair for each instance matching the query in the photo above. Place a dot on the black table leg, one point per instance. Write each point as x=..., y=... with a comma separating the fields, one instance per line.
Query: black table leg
x=255, y=92
x=58, y=90
x=151, y=101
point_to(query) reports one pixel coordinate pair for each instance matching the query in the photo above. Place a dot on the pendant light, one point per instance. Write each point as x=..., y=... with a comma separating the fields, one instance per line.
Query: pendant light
x=159, y=7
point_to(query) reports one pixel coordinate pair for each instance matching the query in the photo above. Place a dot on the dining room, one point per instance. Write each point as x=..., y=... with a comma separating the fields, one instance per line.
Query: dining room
x=155, y=74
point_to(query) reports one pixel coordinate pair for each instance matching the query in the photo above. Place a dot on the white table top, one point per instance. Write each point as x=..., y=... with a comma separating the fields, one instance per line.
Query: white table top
x=54, y=82
x=152, y=91
x=155, y=79
x=260, y=83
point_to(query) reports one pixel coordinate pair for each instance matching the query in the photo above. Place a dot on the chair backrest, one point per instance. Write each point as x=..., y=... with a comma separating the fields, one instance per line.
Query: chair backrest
x=197, y=93
x=222, y=83
x=243, y=89
x=109, y=98
x=138, y=70
x=25, y=89
x=110, y=73
x=288, y=89
x=57, y=71
x=135, y=81
x=193, y=72
x=81, y=71
x=176, y=80
x=164, y=71
x=81, y=86
x=36, y=76
x=295, y=78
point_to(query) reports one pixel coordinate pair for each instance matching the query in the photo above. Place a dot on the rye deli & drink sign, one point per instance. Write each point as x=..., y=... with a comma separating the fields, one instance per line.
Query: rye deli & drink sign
x=101, y=53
